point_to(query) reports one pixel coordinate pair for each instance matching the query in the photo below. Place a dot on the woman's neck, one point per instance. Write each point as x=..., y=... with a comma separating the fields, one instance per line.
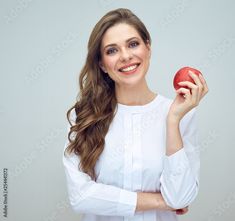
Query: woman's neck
x=134, y=95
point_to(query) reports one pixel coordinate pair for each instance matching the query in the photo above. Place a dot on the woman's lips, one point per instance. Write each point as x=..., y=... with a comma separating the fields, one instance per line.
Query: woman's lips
x=132, y=69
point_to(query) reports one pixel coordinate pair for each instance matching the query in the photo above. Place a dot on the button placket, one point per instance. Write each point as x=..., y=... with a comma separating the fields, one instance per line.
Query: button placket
x=137, y=152
x=127, y=181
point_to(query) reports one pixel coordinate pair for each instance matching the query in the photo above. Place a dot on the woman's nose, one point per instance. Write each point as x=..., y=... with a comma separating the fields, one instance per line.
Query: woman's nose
x=125, y=55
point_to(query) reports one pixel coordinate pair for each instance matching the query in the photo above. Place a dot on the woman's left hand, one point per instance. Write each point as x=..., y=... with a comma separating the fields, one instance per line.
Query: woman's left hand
x=186, y=100
x=181, y=211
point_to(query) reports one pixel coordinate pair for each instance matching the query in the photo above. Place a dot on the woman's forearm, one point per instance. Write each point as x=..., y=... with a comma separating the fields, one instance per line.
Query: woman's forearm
x=150, y=201
x=173, y=137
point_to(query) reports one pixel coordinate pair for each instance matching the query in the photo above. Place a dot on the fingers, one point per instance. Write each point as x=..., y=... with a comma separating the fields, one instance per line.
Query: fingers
x=185, y=92
x=181, y=211
x=205, y=87
x=194, y=89
x=199, y=89
x=200, y=81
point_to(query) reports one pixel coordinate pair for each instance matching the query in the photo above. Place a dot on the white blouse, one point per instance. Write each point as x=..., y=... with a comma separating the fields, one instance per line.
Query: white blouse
x=134, y=160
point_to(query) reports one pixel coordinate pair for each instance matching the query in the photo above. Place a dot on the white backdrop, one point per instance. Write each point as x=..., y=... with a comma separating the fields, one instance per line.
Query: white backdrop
x=42, y=49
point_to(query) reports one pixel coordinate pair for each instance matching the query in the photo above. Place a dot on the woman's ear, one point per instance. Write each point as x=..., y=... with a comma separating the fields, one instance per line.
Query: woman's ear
x=150, y=52
x=102, y=67
x=149, y=47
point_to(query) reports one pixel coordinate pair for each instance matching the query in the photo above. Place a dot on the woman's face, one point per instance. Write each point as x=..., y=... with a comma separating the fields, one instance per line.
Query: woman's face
x=125, y=56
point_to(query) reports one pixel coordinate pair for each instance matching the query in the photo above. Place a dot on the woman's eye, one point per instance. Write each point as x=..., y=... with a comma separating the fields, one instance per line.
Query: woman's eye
x=134, y=44
x=111, y=51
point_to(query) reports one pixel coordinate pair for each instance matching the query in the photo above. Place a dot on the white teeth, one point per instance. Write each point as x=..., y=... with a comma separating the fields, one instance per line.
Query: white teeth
x=129, y=68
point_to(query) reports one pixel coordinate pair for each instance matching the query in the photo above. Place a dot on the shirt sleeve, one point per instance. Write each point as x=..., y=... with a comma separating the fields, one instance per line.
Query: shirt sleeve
x=88, y=196
x=180, y=177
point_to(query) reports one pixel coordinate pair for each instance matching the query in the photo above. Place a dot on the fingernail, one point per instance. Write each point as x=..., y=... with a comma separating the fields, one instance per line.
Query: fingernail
x=191, y=74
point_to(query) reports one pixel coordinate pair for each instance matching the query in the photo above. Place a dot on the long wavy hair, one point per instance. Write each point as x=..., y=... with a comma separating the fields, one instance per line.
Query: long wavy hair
x=96, y=101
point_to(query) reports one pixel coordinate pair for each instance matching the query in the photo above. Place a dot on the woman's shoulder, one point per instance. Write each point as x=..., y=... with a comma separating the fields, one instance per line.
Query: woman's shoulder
x=164, y=102
x=165, y=99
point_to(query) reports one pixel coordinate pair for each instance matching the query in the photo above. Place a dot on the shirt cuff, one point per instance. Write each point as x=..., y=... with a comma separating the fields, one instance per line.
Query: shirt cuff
x=176, y=163
x=127, y=203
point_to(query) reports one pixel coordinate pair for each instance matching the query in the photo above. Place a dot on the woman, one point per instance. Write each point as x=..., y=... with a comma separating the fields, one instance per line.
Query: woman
x=130, y=153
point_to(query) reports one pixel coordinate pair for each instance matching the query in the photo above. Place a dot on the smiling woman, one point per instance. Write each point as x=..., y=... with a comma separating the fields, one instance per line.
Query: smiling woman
x=123, y=53
x=130, y=152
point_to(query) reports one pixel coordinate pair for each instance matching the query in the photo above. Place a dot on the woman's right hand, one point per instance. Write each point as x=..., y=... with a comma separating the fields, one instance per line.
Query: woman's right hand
x=154, y=200
x=181, y=211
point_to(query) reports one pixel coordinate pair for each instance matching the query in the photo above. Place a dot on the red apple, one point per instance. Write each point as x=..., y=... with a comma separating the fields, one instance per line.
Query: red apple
x=183, y=75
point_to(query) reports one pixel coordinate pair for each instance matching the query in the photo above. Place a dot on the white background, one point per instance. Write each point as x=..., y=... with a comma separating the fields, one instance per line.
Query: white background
x=42, y=49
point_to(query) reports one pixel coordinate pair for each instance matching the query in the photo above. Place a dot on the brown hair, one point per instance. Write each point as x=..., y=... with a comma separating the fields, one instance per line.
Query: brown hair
x=96, y=101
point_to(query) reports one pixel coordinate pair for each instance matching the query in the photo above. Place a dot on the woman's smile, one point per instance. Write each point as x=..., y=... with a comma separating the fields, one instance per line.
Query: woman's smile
x=125, y=54
x=129, y=69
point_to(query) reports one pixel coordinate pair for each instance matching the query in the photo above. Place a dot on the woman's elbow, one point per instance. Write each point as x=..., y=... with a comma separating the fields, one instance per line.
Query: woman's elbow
x=77, y=208
x=77, y=204
x=180, y=199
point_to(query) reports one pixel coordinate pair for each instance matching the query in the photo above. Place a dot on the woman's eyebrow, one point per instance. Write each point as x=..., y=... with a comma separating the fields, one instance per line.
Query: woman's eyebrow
x=129, y=39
